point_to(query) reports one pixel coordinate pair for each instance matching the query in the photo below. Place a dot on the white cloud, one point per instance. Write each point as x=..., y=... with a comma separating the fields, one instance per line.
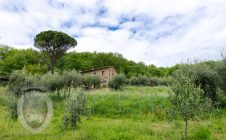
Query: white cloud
x=157, y=32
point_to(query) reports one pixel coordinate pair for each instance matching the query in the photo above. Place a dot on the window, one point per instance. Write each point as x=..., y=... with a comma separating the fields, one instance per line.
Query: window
x=103, y=73
x=94, y=73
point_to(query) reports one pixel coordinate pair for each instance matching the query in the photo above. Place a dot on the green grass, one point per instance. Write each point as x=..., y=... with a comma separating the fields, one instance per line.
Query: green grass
x=134, y=113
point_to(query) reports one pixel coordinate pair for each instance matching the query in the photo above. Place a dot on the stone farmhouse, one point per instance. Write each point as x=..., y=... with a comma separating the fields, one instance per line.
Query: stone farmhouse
x=105, y=73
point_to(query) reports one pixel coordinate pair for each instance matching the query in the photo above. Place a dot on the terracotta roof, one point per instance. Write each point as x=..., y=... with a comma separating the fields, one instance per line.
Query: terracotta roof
x=95, y=69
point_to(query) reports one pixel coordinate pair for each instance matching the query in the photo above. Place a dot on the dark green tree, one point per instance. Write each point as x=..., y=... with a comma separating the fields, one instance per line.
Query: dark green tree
x=54, y=44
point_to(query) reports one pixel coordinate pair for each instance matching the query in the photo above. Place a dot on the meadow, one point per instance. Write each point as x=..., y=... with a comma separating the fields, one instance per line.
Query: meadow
x=139, y=113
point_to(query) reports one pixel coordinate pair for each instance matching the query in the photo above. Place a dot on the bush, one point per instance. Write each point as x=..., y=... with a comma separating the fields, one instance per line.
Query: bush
x=163, y=81
x=205, y=77
x=221, y=70
x=34, y=69
x=71, y=79
x=139, y=81
x=52, y=82
x=90, y=81
x=202, y=134
x=12, y=105
x=20, y=80
x=75, y=107
x=153, y=81
x=159, y=81
x=118, y=82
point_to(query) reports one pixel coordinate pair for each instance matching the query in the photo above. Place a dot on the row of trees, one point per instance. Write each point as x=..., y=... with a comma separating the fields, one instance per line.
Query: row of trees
x=20, y=81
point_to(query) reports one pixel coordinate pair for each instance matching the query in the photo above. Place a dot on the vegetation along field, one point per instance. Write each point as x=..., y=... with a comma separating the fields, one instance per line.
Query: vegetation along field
x=134, y=113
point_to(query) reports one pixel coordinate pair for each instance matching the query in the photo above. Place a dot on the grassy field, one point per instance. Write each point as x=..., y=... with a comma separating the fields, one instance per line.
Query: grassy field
x=134, y=113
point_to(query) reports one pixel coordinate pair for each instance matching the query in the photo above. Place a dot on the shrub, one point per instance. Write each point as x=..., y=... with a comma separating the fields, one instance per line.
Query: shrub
x=71, y=79
x=159, y=81
x=20, y=80
x=221, y=70
x=205, y=77
x=75, y=107
x=133, y=81
x=163, y=81
x=52, y=82
x=34, y=69
x=12, y=105
x=202, y=134
x=117, y=82
x=139, y=81
x=90, y=81
x=153, y=81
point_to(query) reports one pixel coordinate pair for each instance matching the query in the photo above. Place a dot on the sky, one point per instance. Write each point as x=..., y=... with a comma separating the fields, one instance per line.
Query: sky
x=159, y=32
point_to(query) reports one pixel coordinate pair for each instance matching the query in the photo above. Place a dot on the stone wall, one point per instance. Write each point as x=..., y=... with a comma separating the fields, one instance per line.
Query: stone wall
x=105, y=74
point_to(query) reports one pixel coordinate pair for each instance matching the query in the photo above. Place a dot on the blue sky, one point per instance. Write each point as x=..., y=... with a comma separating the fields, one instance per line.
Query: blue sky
x=156, y=32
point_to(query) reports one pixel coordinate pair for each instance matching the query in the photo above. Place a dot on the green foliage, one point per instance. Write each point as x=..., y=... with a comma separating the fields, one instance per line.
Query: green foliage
x=201, y=133
x=35, y=69
x=135, y=120
x=90, y=81
x=54, y=45
x=39, y=62
x=13, y=59
x=221, y=70
x=75, y=107
x=72, y=78
x=12, y=106
x=20, y=80
x=188, y=99
x=86, y=60
x=132, y=102
x=159, y=81
x=139, y=81
x=118, y=82
x=52, y=82
x=208, y=79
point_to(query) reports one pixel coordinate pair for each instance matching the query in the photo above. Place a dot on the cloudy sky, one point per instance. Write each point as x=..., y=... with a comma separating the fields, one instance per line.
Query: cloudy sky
x=160, y=32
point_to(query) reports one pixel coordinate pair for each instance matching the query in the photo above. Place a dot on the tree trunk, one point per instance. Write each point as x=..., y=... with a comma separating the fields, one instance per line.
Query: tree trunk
x=69, y=91
x=58, y=93
x=64, y=93
x=52, y=65
x=186, y=130
x=52, y=68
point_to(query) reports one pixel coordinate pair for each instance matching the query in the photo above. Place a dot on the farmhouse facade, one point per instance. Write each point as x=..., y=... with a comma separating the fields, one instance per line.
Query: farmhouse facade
x=105, y=73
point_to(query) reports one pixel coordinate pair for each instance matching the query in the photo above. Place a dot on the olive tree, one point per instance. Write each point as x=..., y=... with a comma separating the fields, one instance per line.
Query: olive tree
x=71, y=79
x=20, y=80
x=118, y=82
x=208, y=79
x=139, y=81
x=52, y=82
x=90, y=81
x=221, y=69
x=53, y=44
x=188, y=99
x=75, y=107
